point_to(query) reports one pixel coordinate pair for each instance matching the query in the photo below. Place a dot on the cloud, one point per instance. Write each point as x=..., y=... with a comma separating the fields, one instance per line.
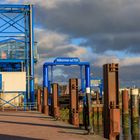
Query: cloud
x=54, y=44
x=99, y=60
x=11, y=1
x=128, y=42
x=105, y=25
x=129, y=76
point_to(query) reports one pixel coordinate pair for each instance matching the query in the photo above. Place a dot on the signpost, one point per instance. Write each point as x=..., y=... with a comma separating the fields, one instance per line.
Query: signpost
x=97, y=82
x=66, y=60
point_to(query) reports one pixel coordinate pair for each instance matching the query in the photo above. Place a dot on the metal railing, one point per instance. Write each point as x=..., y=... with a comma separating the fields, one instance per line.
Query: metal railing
x=30, y=106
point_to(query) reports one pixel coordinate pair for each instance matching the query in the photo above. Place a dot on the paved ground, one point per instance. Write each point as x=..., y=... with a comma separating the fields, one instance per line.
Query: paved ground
x=36, y=126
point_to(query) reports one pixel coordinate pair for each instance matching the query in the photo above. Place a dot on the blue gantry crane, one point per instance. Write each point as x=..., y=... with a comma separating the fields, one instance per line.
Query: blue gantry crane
x=67, y=61
x=17, y=43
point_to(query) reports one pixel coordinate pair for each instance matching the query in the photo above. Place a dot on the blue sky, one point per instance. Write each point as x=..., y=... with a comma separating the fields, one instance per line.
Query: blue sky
x=100, y=32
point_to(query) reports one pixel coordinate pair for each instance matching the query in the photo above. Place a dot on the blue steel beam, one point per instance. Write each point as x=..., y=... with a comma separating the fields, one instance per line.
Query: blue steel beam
x=13, y=20
x=87, y=76
x=11, y=24
x=45, y=76
x=11, y=39
x=51, y=74
x=82, y=80
x=5, y=36
x=20, y=31
x=8, y=22
x=66, y=64
x=11, y=60
x=14, y=6
x=31, y=23
x=31, y=52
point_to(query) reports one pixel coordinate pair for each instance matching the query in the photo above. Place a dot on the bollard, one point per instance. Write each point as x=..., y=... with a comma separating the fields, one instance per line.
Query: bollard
x=125, y=113
x=111, y=102
x=134, y=114
x=39, y=106
x=73, y=89
x=45, y=102
x=55, y=103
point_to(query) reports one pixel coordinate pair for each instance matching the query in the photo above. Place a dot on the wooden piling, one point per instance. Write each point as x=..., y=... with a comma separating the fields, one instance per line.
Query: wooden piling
x=73, y=89
x=55, y=103
x=39, y=106
x=134, y=114
x=45, y=101
x=111, y=101
x=125, y=112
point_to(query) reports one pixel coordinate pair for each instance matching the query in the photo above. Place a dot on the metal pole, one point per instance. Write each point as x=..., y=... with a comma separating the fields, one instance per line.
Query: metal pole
x=25, y=103
x=32, y=54
x=45, y=76
x=88, y=99
x=27, y=55
x=81, y=77
x=51, y=74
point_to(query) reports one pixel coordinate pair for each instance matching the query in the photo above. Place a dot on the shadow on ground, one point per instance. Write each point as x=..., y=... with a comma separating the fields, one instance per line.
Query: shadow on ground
x=43, y=125
x=22, y=116
x=10, y=137
x=74, y=133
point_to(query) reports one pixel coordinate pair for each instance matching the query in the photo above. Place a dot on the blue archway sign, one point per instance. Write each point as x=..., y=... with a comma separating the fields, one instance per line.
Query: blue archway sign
x=67, y=61
x=62, y=60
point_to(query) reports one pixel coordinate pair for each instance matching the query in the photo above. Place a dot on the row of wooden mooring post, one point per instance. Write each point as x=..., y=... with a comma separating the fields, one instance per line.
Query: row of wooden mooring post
x=132, y=115
x=110, y=110
x=42, y=101
x=111, y=104
x=74, y=106
x=42, y=104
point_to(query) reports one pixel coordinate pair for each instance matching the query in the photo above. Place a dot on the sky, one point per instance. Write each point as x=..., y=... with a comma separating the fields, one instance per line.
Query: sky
x=98, y=31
